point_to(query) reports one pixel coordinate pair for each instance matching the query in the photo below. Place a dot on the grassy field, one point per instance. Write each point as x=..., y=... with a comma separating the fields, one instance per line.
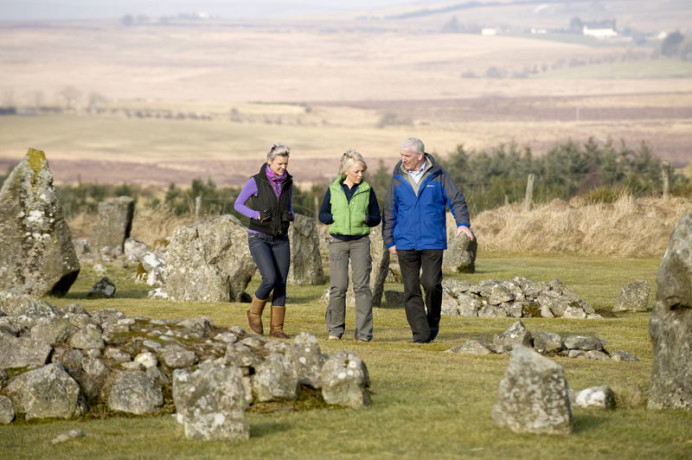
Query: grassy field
x=426, y=403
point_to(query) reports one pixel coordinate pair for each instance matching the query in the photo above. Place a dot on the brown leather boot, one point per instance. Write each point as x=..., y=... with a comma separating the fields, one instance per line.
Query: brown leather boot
x=254, y=315
x=277, y=322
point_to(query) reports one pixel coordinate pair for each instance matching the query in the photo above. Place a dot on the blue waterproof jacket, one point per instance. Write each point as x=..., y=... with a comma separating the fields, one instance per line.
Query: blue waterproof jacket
x=418, y=221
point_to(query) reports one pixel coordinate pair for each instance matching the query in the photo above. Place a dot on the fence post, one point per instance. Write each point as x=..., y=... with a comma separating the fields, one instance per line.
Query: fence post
x=528, y=199
x=665, y=175
x=316, y=205
x=198, y=205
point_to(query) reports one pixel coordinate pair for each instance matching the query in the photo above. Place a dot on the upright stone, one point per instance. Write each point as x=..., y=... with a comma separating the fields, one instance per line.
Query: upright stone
x=209, y=261
x=37, y=255
x=380, y=265
x=533, y=395
x=460, y=256
x=113, y=225
x=671, y=323
x=306, y=262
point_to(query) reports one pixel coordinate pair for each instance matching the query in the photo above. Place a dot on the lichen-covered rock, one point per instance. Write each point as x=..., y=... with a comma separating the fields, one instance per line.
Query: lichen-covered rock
x=6, y=410
x=275, y=379
x=307, y=359
x=135, y=393
x=670, y=327
x=515, y=334
x=37, y=255
x=23, y=352
x=634, y=296
x=209, y=261
x=113, y=225
x=47, y=392
x=460, y=256
x=306, y=262
x=211, y=402
x=345, y=381
x=470, y=347
x=533, y=395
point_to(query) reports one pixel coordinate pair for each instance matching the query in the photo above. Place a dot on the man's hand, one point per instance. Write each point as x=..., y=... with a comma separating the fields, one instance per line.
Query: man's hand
x=392, y=250
x=467, y=231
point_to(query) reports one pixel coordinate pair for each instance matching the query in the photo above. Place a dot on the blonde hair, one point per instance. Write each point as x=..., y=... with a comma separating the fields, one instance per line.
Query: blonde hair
x=350, y=158
x=278, y=150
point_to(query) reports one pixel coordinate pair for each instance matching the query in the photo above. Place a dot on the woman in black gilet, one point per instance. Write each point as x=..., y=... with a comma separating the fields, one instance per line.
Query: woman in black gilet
x=270, y=193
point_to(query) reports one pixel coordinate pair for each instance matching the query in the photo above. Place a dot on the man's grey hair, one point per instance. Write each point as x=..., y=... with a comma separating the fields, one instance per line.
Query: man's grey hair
x=350, y=158
x=416, y=145
x=278, y=150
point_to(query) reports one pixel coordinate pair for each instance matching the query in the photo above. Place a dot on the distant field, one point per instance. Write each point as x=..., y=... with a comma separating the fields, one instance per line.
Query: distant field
x=655, y=68
x=182, y=102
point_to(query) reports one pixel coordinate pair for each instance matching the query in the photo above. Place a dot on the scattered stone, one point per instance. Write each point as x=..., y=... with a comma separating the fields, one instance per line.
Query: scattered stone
x=547, y=342
x=599, y=397
x=471, y=347
x=37, y=255
x=621, y=355
x=583, y=342
x=532, y=396
x=68, y=436
x=633, y=297
x=514, y=335
x=670, y=326
x=103, y=289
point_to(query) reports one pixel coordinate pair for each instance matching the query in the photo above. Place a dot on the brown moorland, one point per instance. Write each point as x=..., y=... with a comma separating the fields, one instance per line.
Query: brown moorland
x=160, y=104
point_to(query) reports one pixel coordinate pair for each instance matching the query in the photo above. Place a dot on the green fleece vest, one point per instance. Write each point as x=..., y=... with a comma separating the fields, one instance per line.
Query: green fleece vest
x=349, y=217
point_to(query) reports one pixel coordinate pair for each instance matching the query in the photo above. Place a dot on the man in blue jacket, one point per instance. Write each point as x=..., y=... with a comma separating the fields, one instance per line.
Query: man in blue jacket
x=414, y=228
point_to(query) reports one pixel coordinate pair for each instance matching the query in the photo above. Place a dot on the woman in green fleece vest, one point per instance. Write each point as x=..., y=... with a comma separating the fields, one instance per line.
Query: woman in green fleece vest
x=350, y=208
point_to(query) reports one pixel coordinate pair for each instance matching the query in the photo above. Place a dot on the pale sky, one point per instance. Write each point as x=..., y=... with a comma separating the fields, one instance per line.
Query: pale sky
x=227, y=9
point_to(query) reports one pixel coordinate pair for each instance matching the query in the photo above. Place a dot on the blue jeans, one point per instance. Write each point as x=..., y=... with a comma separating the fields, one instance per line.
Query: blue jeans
x=272, y=254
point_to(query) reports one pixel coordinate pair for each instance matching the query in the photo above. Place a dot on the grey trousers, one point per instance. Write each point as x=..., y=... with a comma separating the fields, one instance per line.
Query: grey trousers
x=358, y=252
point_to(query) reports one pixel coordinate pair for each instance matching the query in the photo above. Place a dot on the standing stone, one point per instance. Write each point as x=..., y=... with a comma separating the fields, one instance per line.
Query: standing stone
x=37, y=255
x=670, y=327
x=211, y=402
x=633, y=297
x=460, y=256
x=209, y=261
x=47, y=392
x=345, y=381
x=306, y=262
x=113, y=225
x=533, y=395
x=380, y=265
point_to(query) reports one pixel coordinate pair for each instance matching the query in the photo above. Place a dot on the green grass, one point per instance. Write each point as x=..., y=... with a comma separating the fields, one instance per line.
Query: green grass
x=426, y=403
x=649, y=68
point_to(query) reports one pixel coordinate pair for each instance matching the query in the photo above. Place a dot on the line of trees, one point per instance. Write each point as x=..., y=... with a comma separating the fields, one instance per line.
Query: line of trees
x=489, y=179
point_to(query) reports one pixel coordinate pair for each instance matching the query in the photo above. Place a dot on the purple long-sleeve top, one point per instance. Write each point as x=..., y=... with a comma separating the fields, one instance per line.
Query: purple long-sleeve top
x=250, y=189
